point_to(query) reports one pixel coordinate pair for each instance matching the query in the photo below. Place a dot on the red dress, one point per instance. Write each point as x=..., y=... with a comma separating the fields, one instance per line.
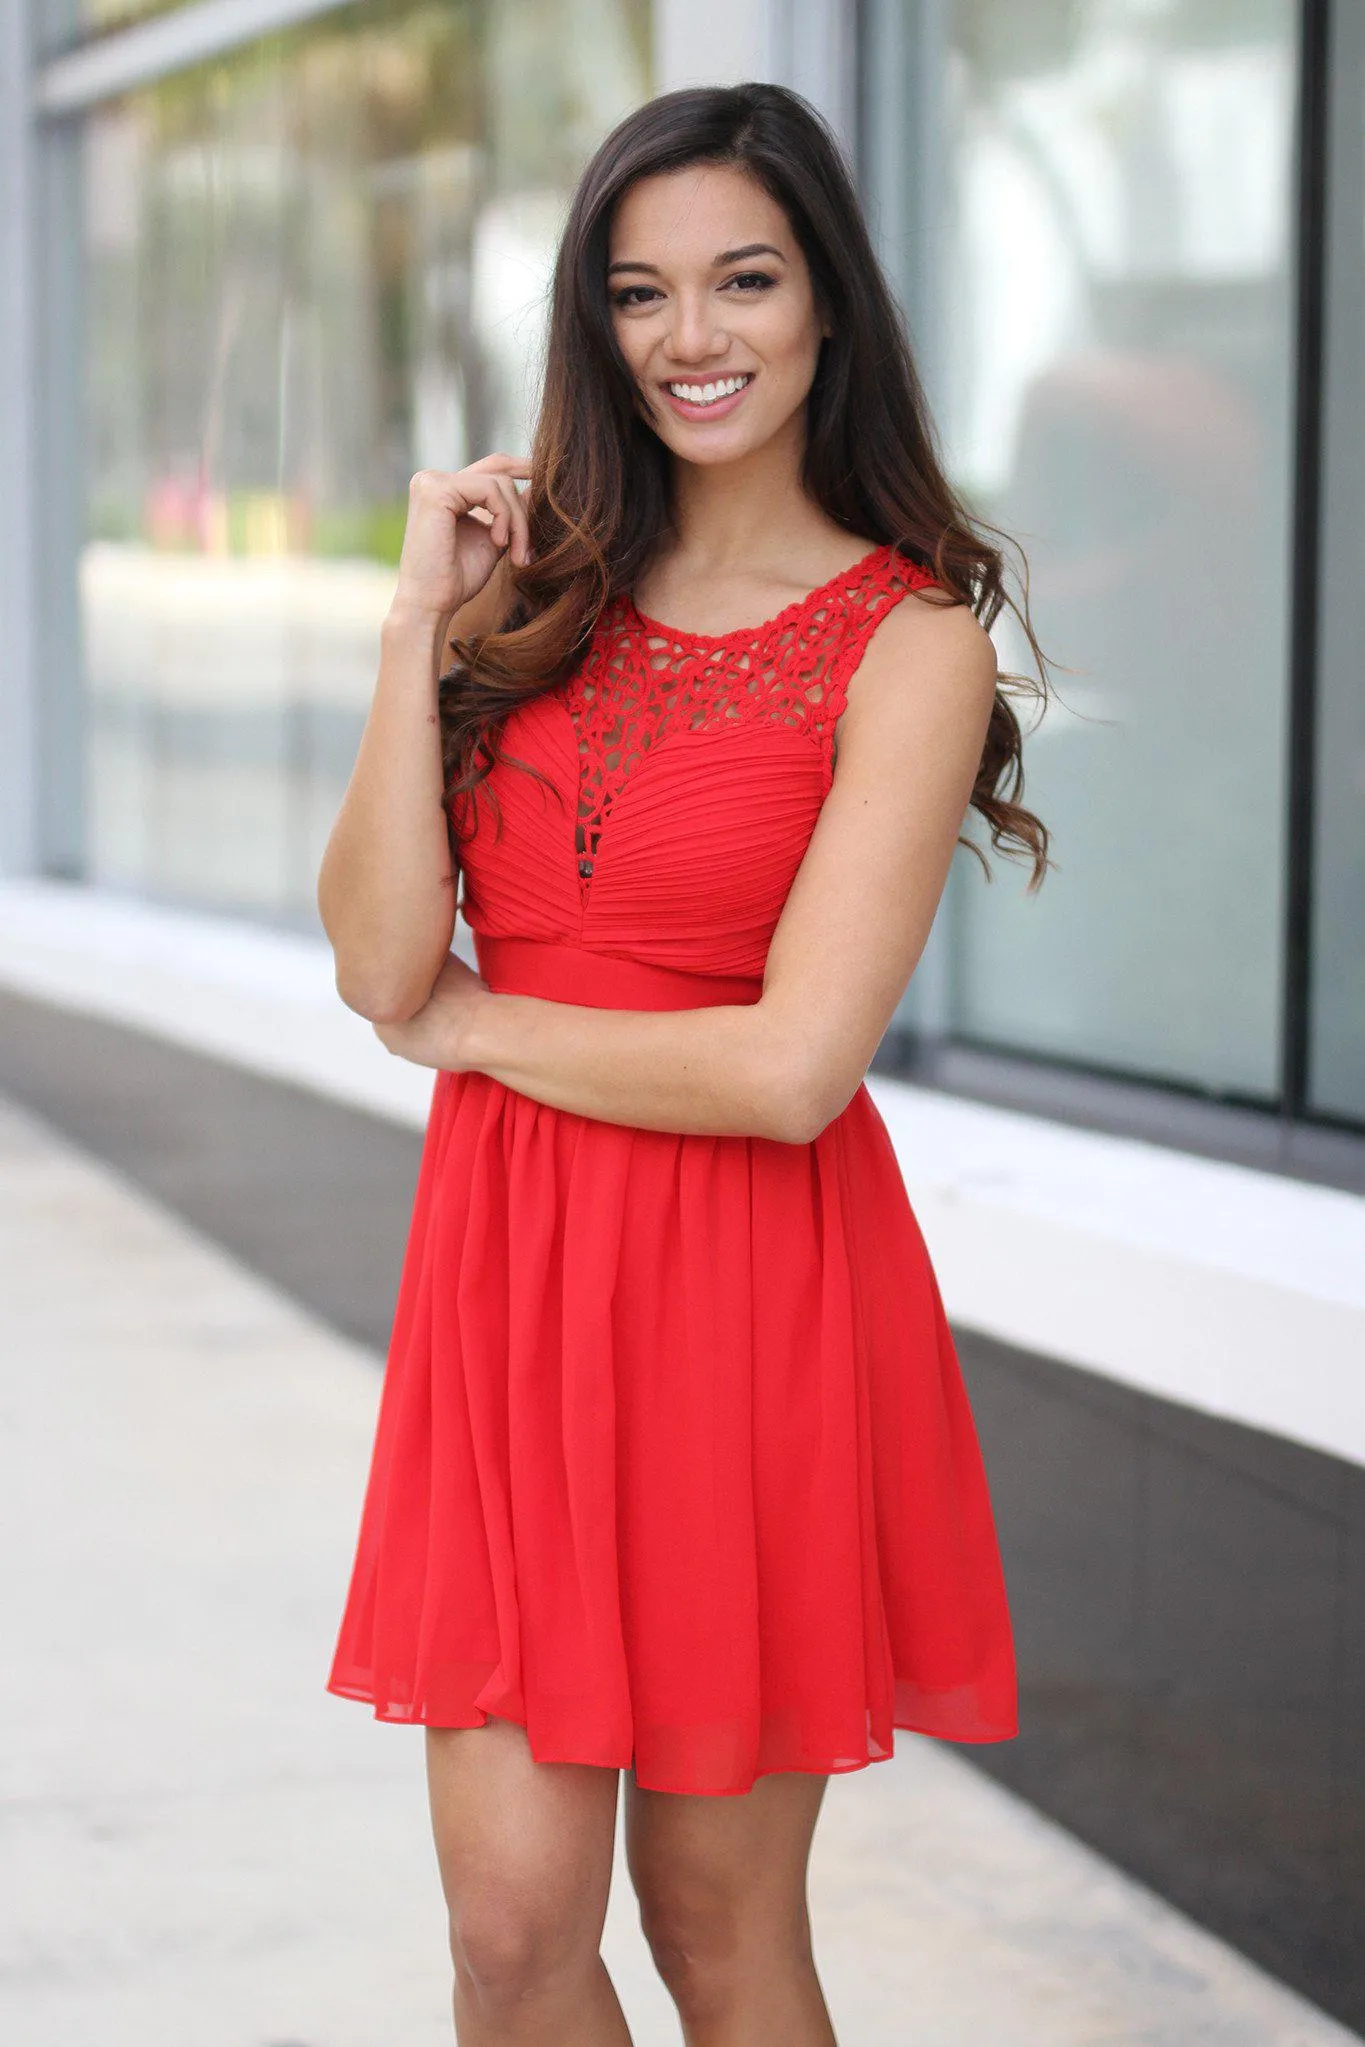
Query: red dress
x=673, y=1463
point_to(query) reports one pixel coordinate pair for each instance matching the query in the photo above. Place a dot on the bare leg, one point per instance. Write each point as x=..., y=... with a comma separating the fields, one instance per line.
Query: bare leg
x=525, y=1851
x=722, y=1890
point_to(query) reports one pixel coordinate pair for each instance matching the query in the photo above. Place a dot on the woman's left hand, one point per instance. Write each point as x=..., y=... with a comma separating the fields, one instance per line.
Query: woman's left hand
x=434, y=1035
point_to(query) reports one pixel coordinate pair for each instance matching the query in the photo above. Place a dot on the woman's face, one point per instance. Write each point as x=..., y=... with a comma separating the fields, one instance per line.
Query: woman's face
x=713, y=309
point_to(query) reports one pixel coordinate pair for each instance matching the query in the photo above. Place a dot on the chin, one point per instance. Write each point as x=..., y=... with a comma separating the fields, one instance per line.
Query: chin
x=712, y=457
x=708, y=450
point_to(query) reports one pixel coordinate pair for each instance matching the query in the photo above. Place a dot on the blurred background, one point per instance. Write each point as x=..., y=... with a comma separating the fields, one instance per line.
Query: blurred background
x=260, y=259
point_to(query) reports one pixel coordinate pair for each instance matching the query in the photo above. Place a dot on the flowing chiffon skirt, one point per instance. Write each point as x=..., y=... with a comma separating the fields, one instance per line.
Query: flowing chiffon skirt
x=674, y=1464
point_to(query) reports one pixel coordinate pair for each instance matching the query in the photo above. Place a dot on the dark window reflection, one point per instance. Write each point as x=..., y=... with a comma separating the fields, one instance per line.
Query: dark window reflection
x=1114, y=318
x=1337, y=1065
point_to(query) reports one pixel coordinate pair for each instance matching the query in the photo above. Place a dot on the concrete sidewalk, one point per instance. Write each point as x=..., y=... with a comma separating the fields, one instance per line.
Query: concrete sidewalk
x=203, y=1849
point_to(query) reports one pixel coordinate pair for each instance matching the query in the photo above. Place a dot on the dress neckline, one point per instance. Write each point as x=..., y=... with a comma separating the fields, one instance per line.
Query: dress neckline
x=780, y=618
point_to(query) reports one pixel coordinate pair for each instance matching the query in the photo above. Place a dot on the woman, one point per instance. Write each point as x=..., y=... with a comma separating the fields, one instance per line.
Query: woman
x=674, y=1472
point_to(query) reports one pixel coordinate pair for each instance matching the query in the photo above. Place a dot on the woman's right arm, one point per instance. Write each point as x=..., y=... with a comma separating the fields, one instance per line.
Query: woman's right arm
x=386, y=888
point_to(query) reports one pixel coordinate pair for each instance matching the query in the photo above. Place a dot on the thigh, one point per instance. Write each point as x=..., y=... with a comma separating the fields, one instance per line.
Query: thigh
x=524, y=1848
x=741, y=1861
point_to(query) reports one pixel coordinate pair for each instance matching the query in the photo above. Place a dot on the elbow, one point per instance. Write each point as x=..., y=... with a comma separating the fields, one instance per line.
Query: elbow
x=798, y=1105
x=379, y=1001
x=388, y=984
x=802, y=1123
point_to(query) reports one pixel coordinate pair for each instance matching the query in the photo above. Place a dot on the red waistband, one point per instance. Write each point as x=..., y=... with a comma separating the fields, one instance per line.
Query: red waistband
x=599, y=980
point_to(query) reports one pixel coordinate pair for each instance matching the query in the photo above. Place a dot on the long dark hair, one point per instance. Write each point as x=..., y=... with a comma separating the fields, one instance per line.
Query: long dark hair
x=598, y=500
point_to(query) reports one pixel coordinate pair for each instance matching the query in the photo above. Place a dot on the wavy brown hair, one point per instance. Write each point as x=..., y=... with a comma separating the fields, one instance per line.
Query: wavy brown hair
x=598, y=500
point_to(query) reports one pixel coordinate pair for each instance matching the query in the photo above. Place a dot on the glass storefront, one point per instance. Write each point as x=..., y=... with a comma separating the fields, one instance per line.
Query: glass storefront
x=1113, y=318
x=311, y=267
x=311, y=264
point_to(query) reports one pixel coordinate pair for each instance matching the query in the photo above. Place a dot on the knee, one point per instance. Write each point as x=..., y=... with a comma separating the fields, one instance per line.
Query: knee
x=694, y=1935
x=510, y=1949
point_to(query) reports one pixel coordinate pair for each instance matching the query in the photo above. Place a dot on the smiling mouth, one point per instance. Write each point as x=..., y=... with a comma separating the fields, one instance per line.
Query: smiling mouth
x=712, y=393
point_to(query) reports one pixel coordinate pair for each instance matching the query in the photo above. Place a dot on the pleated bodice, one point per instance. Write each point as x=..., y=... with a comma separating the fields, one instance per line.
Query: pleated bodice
x=685, y=773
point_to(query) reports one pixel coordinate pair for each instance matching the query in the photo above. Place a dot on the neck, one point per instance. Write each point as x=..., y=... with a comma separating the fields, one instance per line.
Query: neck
x=727, y=515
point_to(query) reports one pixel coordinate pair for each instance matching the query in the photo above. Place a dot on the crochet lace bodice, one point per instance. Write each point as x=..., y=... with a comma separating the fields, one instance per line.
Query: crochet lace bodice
x=643, y=680
x=676, y=780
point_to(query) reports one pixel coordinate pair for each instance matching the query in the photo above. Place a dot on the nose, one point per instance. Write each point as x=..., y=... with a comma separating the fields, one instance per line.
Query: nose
x=696, y=330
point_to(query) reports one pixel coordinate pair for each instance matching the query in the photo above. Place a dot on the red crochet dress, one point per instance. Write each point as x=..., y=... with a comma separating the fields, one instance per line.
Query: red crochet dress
x=673, y=1462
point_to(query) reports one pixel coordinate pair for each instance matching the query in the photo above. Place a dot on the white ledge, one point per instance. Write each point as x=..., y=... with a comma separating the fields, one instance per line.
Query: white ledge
x=1234, y=1291
x=1237, y=1292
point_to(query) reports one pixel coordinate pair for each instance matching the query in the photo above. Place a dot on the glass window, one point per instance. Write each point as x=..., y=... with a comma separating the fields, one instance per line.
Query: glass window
x=1108, y=330
x=312, y=267
x=1337, y=1062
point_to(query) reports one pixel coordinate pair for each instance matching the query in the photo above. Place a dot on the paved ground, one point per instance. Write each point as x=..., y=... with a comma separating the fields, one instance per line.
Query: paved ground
x=202, y=1849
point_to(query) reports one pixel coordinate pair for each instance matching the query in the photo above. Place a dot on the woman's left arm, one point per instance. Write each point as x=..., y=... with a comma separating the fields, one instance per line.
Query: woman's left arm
x=847, y=942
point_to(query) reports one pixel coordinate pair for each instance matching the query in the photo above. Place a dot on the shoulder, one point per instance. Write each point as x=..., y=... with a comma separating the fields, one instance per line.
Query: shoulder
x=926, y=651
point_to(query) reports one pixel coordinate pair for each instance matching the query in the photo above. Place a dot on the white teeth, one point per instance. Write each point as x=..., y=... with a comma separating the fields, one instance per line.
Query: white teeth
x=707, y=394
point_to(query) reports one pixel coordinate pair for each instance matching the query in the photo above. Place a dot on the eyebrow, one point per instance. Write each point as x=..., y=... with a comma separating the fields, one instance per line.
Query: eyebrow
x=718, y=262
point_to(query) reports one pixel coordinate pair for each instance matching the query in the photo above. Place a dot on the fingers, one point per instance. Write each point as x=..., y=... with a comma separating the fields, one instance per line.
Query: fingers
x=511, y=526
x=497, y=495
x=485, y=491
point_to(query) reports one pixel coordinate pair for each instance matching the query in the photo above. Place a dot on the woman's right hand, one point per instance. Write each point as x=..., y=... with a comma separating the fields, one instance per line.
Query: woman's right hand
x=460, y=523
